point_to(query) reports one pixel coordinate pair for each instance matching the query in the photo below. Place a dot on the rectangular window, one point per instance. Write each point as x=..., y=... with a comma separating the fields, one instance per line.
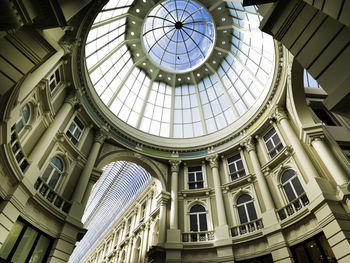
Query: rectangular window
x=235, y=167
x=195, y=177
x=273, y=143
x=75, y=130
x=54, y=80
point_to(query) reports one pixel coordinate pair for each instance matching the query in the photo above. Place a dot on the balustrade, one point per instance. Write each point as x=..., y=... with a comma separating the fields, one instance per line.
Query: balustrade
x=248, y=227
x=198, y=236
x=293, y=207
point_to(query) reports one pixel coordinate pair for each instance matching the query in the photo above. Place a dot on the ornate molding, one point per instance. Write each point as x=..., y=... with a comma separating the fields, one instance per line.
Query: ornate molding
x=249, y=144
x=100, y=137
x=174, y=165
x=278, y=113
x=71, y=99
x=69, y=42
x=213, y=161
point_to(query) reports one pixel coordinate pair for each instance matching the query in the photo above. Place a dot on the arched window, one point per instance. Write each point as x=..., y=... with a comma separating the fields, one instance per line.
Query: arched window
x=198, y=219
x=246, y=208
x=24, y=118
x=291, y=185
x=53, y=172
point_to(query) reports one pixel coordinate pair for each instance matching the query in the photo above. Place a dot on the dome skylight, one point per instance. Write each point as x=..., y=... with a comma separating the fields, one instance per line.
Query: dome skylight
x=178, y=35
x=219, y=82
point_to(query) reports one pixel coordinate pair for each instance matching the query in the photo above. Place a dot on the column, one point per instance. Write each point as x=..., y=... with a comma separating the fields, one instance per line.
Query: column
x=87, y=192
x=174, y=193
x=163, y=198
x=145, y=242
x=51, y=131
x=329, y=160
x=214, y=165
x=129, y=250
x=265, y=192
x=85, y=174
x=300, y=152
x=33, y=78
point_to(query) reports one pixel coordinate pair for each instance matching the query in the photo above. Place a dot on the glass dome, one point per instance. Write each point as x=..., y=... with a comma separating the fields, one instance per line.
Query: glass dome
x=222, y=83
x=178, y=35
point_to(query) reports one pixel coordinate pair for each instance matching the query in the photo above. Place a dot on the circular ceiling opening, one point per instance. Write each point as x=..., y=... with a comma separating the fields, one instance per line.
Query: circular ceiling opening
x=178, y=36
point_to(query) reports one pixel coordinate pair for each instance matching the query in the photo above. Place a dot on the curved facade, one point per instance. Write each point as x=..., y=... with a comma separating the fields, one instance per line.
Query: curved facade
x=273, y=186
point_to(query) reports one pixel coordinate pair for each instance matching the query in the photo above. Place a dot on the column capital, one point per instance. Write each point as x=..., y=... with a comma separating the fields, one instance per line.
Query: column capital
x=71, y=99
x=100, y=137
x=278, y=113
x=213, y=161
x=248, y=144
x=68, y=42
x=163, y=198
x=174, y=165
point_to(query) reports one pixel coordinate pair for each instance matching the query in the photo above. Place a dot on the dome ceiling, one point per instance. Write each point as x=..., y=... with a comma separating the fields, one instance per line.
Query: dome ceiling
x=179, y=69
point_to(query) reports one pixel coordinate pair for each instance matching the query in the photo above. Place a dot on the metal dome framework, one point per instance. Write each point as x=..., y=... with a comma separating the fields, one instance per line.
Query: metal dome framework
x=234, y=80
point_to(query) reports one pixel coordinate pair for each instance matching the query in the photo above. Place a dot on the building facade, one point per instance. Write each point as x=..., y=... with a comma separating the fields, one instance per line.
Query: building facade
x=272, y=186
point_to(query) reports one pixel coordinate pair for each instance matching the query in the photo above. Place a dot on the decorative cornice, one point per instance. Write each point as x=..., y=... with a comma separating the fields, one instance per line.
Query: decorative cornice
x=174, y=165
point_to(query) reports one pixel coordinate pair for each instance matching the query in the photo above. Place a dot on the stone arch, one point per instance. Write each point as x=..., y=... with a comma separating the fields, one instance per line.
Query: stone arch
x=297, y=104
x=156, y=169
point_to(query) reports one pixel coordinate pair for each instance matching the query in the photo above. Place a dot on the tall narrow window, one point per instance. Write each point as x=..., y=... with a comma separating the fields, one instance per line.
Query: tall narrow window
x=142, y=212
x=54, y=80
x=273, y=143
x=24, y=118
x=291, y=185
x=195, y=177
x=246, y=208
x=198, y=219
x=53, y=172
x=235, y=166
x=75, y=130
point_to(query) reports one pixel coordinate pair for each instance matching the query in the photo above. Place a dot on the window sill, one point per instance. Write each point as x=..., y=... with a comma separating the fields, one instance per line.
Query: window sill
x=196, y=192
x=281, y=156
x=238, y=182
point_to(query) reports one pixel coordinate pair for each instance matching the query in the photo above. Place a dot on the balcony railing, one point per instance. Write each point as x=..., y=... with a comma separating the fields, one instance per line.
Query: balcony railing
x=198, y=236
x=293, y=207
x=247, y=228
x=51, y=196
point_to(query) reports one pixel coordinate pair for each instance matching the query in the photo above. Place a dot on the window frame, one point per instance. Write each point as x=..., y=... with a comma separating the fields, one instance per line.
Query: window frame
x=197, y=214
x=188, y=182
x=54, y=168
x=244, y=205
x=51, y=80
x=237, y=172
x=289, y=181
x=23, y=120
x=274, y=146
x=71, y=134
